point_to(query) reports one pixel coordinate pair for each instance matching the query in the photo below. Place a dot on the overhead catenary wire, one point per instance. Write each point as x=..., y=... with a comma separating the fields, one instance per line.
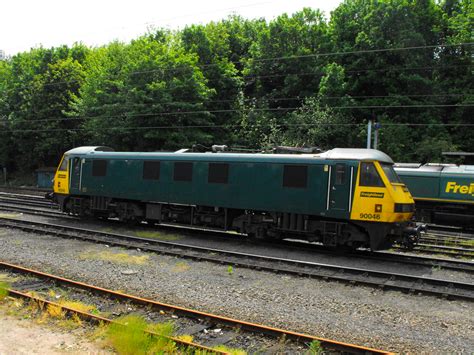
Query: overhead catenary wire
x=247, y=78
x=170, y=113
x=163, y=70
x=156, y=114
x=274, y=99
x=305, y=125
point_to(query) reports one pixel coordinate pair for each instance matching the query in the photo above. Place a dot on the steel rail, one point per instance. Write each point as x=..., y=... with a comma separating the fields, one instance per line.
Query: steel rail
x=383, y=256
x=438, y=250
x=34, y=203
x=441, y=249
x=461, y=237
x=449, y=229
x=98, y=319
x=235, y=323
x=47, y=212
x=467, y=244
x=433, y=248
x=445, y=235
x=24, y=188
x=452, y=264
x=22, y=196
x=351, y=275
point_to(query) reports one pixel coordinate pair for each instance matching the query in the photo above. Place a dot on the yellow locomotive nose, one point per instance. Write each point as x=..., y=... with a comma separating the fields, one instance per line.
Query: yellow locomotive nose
x=380, y=196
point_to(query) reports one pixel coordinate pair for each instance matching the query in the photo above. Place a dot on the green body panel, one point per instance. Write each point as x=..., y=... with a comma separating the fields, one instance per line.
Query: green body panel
x=454, y=183
x=255, y=182
x=424, y=185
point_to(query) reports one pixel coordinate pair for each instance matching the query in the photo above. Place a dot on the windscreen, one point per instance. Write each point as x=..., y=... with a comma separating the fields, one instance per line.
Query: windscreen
x=64, y=163
x=369, y=175
x=390, y=173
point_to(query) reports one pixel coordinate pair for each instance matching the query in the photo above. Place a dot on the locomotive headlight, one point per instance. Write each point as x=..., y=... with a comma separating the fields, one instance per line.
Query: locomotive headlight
x=404, y=207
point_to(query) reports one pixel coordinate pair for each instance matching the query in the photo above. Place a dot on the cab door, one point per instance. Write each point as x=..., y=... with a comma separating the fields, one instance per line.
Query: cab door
x=76, y=174
x=339, y=188
x=61, y=179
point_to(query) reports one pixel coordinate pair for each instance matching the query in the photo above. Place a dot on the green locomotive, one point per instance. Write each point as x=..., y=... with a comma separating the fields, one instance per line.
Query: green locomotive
x=443, y=193
x=343, y=197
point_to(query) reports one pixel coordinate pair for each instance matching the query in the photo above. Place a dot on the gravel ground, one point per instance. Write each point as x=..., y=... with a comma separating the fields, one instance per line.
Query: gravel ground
x=237, y=243
x=26, y=337
x=389, y=320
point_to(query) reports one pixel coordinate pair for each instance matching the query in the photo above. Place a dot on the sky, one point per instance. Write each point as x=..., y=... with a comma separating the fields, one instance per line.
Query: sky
x=31, y=23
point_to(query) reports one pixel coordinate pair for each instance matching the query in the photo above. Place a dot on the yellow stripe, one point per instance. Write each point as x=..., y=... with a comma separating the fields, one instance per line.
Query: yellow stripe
x=441, y=200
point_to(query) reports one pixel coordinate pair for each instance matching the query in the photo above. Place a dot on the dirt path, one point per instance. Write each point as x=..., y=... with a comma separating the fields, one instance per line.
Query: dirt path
x=25, y=336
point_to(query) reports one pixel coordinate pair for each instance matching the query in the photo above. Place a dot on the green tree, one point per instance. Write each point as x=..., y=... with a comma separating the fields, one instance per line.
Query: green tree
x=130, y=90
x=40, y=86
x=391, y=77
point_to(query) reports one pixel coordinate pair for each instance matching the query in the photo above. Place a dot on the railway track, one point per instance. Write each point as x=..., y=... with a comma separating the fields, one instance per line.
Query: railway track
x=466, y=241
x=455, y=238
x=43, y=211
x=350, y=275
x=382, y=256
x=445, y=250
x=35, y=202
x=23, y=189
x=208, y=330
x=387, y=256
x=449, y=229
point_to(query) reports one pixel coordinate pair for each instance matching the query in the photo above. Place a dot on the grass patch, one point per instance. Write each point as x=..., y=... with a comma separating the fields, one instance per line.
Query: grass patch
x=79, y=306
x=468, y=243
x=146, y=234
x=117, y=258
x=55, y=311
x=4, y=286
x=7, y=278
x=185, y=337
x=10, y=215
x=314, y=348
x=157, y=235
x=129, y=337
x=181, y=267
x=231, y=351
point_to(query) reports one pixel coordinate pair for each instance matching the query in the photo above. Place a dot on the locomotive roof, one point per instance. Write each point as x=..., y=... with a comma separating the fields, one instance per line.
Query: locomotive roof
x=433, y=169
x=333, y=154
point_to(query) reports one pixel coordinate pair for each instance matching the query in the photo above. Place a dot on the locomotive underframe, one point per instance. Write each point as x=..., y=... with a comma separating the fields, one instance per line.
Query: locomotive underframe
x=257, y=224
x=445, y=213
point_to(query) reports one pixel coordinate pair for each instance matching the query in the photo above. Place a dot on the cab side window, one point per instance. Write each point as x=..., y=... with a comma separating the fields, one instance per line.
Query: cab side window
x=64, y=163
x=369, y=176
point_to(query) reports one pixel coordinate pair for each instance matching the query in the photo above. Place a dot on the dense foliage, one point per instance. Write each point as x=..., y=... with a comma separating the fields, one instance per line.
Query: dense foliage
x=296, y=80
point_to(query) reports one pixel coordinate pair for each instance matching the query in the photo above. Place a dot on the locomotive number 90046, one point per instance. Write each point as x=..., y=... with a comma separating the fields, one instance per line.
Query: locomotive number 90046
x=372, y=216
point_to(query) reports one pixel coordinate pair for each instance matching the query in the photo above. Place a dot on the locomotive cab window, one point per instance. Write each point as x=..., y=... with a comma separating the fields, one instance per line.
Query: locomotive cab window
x=76, y=164
x=64, y=163
x=183, y=171
x=295, y=176
x=99, y=167
x=218, y=173
x=151, y=170
x=369, y=176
